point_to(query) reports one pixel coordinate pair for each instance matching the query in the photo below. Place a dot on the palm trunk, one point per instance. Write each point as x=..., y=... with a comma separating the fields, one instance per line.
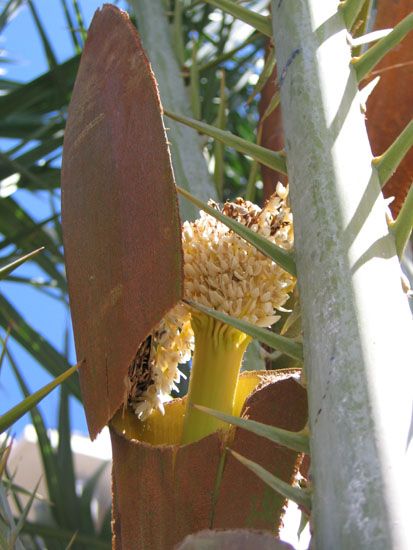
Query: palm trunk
x=356, y=320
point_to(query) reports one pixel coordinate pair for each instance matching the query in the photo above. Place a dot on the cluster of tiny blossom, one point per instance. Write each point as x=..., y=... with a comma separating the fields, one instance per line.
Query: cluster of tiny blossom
x=155, y=373
x=221, y=271
x=224, y=272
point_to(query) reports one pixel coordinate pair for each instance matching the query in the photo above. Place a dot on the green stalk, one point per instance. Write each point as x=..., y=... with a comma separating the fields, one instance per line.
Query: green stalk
x=350, y=10
x=79, y=20
x=216, y=363
x=221, y=58
x=298, y=441
x=272, y=159
x=189, y=165
x=402, y=227
x=356, y=321
x=266, y=336
x=302, y=497
x=387, y=163
x=266, y=72
x=178, y=33
x=368, y=60
x=194, y=84
x=71, y=27
x=361, y=25
x=253, y=18
x=9, y=268
x=11, y=416
x=219, y=147
x=250, y=191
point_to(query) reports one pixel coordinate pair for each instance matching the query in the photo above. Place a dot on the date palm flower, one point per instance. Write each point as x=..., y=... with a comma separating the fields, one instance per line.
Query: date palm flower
x=224, y=272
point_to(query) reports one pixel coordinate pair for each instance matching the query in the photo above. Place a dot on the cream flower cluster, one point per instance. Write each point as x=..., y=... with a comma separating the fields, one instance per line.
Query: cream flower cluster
x=154, y=373
x=221, y=271
x=226, y=273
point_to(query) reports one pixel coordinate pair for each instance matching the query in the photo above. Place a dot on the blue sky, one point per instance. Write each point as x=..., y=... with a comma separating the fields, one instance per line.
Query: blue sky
x=21, y=41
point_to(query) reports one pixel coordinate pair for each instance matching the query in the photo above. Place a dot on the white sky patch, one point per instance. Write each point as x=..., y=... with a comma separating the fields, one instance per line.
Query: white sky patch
x=8, y=185
x=368, y=38
x=216, y=16
x=289, y=531
x=253, y=79
x=260, y=63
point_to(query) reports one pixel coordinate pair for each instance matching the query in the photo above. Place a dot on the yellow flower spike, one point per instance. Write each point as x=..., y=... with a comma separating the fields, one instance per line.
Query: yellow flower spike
x=226, y=273
x=216, y=364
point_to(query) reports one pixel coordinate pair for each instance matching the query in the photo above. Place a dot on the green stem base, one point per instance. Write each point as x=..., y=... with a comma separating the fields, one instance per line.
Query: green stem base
x=216, y=363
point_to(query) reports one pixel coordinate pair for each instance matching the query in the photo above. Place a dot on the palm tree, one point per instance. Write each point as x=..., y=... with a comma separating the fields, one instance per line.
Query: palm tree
x=209, y=76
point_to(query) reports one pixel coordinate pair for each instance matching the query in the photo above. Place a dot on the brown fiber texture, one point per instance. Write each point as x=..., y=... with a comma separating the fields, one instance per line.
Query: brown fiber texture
x=120, y=216
x=164, y=493
x=272, y=136
x=390, y=106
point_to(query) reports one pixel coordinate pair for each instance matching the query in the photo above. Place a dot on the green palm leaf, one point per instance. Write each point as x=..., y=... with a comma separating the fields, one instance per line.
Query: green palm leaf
x=10, y=417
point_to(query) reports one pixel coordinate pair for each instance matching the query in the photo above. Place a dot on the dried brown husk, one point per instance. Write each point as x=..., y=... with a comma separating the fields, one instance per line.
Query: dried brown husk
x=389, y=108
x=272, y=134
x=120, y=216
x=163, y=491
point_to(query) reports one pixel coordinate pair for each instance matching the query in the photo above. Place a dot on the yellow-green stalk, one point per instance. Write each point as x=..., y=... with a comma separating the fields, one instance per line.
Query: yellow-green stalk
x=224, y=272
x=216, y=364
